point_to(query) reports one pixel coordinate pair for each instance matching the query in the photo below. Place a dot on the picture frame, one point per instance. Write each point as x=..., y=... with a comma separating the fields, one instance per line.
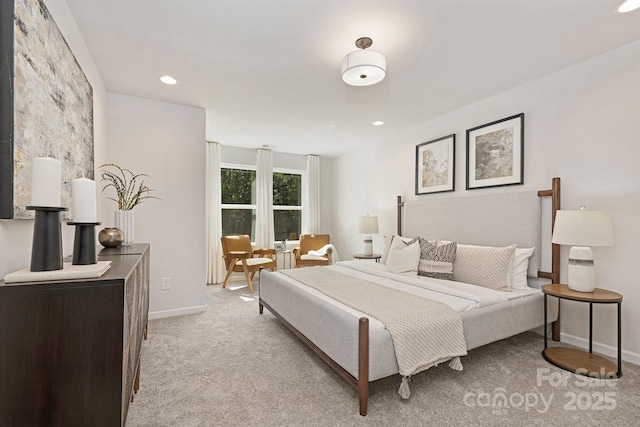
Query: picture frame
x=279, y=246
x=46, y=106
x=435, y=165
x=495, y=153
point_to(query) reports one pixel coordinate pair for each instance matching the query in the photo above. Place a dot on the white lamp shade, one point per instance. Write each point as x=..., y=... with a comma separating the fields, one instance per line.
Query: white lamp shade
x=368, y=224
x=583, y=228
x=363, y=67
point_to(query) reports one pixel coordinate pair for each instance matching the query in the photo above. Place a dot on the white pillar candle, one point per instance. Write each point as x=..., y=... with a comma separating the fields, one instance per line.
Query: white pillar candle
x=83, y=200
x=46, y=182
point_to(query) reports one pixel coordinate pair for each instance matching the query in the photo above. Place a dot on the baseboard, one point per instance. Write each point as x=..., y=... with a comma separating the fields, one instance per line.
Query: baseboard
x=607, y=350
x=177, y=312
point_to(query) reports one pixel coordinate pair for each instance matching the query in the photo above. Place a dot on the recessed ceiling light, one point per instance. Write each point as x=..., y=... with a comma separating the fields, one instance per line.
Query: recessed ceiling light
x=168, y=80
x=627, y=6
x=378, y=123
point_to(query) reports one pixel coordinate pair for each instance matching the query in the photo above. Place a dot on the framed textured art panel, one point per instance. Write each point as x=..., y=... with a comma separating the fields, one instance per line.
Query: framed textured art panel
x=46, y=105
x=495, y=153
x=435, y=165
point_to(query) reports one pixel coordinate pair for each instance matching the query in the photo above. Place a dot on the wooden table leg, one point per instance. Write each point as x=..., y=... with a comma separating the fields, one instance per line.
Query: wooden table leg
x=247, y=275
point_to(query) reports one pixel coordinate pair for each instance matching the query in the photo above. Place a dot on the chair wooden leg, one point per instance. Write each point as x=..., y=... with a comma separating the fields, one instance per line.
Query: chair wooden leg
x=229, y=271
x=246, y=274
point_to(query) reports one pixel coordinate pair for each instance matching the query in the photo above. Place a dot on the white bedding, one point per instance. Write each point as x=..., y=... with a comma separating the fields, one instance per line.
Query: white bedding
x=459, y=296
x=485, y=296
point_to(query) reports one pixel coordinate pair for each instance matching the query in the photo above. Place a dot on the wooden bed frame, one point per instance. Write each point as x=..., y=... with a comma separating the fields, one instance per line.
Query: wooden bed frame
x=361, y=384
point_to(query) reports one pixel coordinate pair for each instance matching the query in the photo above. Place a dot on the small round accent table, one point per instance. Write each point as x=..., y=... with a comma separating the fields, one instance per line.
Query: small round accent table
x=580, y=361
x=372, y=256
x=286, y=253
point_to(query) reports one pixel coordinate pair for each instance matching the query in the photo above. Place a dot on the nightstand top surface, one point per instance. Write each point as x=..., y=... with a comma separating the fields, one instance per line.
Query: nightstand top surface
x=598, y=295
x=363, y=256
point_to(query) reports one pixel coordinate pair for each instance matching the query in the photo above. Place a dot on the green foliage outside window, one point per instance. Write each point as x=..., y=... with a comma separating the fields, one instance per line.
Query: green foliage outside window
x=239, y=221
x=287, y=189
x=238, y=188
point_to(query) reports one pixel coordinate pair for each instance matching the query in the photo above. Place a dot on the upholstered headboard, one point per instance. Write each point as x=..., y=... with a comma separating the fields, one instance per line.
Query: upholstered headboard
x=493, y=220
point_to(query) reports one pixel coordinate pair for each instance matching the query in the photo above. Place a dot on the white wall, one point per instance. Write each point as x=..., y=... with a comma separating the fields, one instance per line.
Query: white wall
x=16, y=235
x=580, y=124
x=167, y=142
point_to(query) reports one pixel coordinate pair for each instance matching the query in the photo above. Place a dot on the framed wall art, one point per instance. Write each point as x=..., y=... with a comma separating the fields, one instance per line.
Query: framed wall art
x=46, y=105
x=495, y=153
x=435, y=165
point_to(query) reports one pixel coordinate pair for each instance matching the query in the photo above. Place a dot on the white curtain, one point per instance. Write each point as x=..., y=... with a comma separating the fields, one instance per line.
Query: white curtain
x=265, y=235
x=311, y=196
x=215, y=265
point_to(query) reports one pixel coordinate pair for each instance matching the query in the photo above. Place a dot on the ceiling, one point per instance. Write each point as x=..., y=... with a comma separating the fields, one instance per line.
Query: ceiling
x=268, y=71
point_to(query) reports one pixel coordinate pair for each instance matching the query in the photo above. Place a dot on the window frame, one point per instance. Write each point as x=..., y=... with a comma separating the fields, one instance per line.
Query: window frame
x=254, y=207
x=300, y=208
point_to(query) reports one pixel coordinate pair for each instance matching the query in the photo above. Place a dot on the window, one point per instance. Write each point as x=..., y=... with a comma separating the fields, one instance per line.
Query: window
x=287, y=204
x=238, y=184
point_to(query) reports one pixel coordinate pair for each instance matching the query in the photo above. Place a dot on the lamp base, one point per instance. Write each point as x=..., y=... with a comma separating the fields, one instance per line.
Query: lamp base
x=581, y=274
x=368, y=245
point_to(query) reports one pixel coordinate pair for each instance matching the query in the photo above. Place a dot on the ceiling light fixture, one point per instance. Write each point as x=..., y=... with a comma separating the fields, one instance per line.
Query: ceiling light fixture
x=168, y=80
x=627, y=6
x=378, y=123
x=363, y=67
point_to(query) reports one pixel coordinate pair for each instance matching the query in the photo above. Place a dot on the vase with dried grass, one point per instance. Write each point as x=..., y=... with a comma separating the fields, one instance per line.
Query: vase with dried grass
x=130, y=192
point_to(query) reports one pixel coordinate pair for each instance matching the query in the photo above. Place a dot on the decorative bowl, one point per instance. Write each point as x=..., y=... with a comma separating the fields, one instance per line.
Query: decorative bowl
x=110, y=237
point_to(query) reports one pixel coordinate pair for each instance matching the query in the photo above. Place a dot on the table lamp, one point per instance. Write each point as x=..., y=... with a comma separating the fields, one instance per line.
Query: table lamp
x=582, y=229
x=368, y=225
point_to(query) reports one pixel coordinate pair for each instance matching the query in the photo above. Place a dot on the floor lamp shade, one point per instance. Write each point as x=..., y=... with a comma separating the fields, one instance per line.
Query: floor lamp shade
x=582, y=229
x=368, y=225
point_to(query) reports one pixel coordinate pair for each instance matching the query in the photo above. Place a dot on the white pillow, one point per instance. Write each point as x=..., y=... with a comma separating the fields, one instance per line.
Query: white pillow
x=521, y=267
x=402, y=259
x=387, y=246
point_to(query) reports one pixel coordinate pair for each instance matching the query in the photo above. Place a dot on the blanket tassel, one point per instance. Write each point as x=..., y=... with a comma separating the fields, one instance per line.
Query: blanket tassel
x=455, y=364
x=404, y=390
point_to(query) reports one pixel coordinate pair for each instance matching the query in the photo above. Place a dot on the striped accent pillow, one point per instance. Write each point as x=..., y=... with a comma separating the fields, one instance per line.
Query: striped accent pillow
x=436, y=259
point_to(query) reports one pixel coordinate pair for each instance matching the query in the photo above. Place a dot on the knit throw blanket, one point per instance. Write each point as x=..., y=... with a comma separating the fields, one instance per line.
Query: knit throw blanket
x=425, y=333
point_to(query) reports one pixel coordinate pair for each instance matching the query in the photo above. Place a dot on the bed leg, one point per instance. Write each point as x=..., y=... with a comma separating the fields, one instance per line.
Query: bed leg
x=363, y=364
x=260, y=307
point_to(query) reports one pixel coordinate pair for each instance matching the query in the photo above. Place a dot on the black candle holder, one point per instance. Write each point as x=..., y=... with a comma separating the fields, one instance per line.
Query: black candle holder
x=84, y=243
x=46, y=250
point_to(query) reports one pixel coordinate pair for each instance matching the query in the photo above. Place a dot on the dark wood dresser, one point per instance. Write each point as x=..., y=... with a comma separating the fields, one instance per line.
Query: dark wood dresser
x=70, y=350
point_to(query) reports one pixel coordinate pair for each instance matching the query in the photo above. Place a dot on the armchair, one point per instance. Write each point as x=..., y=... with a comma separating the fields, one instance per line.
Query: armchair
x=311, y=242
x=238, y=255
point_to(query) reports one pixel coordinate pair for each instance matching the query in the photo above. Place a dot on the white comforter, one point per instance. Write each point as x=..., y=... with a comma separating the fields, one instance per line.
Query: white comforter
x=459, y=296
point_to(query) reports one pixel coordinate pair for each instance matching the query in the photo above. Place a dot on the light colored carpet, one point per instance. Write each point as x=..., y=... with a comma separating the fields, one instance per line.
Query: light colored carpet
x=231, y=366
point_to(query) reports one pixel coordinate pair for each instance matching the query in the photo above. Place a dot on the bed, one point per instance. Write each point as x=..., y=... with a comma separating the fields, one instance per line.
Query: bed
x=360, y=348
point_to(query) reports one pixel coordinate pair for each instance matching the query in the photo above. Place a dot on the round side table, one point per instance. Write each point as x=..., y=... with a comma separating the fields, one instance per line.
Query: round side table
x=376, y=257
x=576, y=360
